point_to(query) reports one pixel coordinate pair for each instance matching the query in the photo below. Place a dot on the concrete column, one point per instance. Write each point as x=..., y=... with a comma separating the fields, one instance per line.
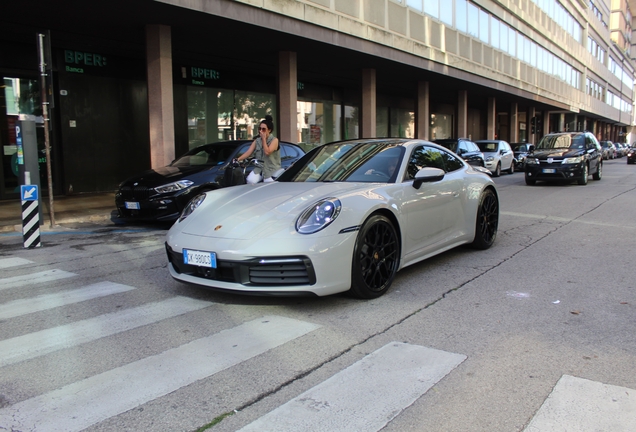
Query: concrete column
x=160, y=97
x=369, y=103
x=546, y=122
x=491, y=128
x=561, y=122
x=423, y=121
x=462, y=114
x=514, y=122
x=287, y=96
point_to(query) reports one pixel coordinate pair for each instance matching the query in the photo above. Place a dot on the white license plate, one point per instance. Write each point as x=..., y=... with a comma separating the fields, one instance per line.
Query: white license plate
x=549, y=171
x=132, y=205
x=199, y=258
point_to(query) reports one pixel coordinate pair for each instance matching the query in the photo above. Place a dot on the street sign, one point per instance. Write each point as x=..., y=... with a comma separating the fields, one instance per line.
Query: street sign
x=29, y=192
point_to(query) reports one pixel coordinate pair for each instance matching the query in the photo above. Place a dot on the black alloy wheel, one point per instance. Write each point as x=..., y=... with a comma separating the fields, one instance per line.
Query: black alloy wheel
x=375, y=258
x=583, y=179
x=487, y=220
x=599, y=171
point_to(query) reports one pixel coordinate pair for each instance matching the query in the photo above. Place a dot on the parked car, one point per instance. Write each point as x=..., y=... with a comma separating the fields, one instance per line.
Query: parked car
x=330, y=224
x=565, y=156
x=466, y=149
x=160, y=194
x=520, y=151
x=498, y=156
x=620, y=150
x=609, y=150
x=631, y=155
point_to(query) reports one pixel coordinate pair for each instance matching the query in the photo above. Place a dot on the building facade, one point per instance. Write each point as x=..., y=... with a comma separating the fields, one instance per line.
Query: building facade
x=132, y=84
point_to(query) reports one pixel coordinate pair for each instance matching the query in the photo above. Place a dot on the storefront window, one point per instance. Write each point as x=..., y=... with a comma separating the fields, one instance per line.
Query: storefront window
x=321, y=122
x=220, y=115
x=441, y=126
x=402, y=123
x=21, y=97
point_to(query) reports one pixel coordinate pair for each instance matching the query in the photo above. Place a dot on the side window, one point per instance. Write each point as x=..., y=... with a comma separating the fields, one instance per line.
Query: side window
x=424, y=157
x=462, y=147
x=243, y=149
x=451, y=162
x=284, y=151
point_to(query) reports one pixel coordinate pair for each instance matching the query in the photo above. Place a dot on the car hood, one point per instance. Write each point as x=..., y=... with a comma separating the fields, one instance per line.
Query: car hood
x=556, y=153
x=262, y=210
x=160, y=176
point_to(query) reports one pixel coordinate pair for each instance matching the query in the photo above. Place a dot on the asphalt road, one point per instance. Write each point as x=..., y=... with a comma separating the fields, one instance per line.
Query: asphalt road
x=95, y=335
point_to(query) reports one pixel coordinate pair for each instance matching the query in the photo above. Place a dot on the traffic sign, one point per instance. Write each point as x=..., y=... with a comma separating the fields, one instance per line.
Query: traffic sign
x=29, y=192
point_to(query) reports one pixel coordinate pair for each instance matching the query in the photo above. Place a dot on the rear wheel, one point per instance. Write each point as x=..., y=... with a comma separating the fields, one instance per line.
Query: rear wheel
x=375, y=258
x=487, y=220
x=583, y=179
x=497, y=171
x=511, y=170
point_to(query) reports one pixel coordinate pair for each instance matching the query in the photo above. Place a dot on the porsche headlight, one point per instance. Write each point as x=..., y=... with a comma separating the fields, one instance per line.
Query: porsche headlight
x=174, y=187
x=192, y=206
x=573, y=160
x=318, y=216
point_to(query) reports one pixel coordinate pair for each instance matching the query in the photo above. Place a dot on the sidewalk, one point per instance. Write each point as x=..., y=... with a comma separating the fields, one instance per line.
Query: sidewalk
x=95, y=207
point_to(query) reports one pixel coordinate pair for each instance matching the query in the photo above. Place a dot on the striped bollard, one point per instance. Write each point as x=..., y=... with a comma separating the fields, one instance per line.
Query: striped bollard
x=30, y=216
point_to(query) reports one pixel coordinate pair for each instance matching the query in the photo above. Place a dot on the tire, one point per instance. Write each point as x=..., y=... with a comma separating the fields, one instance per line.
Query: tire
x=511, y=170
x=530, y=182
x=599, y=172
x=376, y=257
x=583, y=179
x=497, y=171
x=487, y=220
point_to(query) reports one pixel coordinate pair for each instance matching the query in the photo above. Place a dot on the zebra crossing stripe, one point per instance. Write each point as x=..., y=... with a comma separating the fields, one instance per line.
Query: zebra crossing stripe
x=92, y=400
x=44, y=342
x=390, y=379
x=39, y=303
x=13, y=262
x=577, y=404
x=34, y=278
x=31, y=224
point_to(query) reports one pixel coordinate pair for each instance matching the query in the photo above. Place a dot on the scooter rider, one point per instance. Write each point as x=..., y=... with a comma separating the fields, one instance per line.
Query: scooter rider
x=265, y=147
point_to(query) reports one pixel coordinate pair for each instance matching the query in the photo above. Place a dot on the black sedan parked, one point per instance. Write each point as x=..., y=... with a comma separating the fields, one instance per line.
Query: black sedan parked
x=569, y=156
x=631, y=155
x=466, y=149
x=160, y=194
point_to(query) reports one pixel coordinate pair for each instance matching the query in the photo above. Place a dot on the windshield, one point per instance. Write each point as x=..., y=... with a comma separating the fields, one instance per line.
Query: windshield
x=487, y=146
x=353, y=161
x=562, y=141
x=208, y=155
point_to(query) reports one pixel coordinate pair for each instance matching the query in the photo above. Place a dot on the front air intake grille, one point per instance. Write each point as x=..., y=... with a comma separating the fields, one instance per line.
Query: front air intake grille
x=262, y=272
x=136, y=193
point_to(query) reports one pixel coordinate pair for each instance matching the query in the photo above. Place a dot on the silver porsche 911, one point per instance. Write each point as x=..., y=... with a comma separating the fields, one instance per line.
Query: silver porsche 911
x=345, y=217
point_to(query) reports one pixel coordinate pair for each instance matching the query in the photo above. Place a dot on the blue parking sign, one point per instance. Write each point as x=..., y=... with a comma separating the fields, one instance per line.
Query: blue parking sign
x=29, y=192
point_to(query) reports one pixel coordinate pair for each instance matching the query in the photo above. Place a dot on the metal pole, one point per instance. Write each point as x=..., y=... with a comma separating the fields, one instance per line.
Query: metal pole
x=45, y=116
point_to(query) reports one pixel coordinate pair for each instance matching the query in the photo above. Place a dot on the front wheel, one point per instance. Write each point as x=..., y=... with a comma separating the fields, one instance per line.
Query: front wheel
x=583, y=179
x=511, y=170
x=487, y=220
x=530, y=182
x=375, y=258
x=599, y=172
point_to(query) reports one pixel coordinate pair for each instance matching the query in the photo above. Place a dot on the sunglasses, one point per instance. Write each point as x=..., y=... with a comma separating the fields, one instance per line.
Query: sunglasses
x=263, y=129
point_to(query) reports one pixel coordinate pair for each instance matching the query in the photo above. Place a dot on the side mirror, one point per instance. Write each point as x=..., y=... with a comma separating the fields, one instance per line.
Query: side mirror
x=428, y=175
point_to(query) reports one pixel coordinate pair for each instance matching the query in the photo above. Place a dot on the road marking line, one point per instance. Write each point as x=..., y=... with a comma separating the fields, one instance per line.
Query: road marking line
x=34, y=278
x=42, y=302
x=577, y=404
x=13, y=262
x=562, y=219
x=43, y=342
x=92, y=400
x=391, y=379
